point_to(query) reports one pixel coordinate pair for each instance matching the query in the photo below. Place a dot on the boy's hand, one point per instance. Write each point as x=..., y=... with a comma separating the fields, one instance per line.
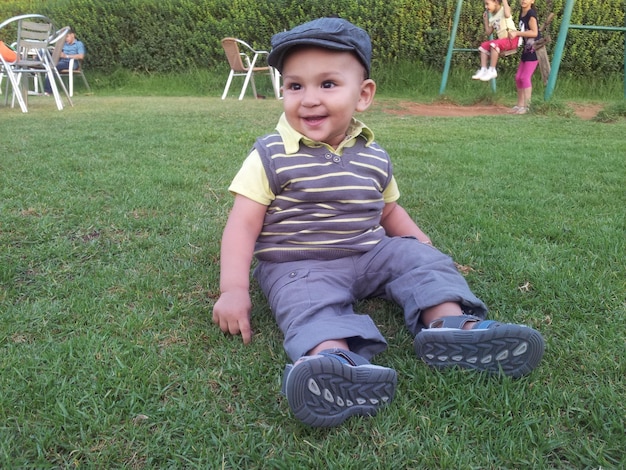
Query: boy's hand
x=232, y=313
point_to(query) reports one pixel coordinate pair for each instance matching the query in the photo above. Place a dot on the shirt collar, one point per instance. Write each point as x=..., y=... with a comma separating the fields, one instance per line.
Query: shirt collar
x=291, y=137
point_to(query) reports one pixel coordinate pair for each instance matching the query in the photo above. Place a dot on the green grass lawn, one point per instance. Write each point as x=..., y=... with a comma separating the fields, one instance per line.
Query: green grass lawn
x=111, y=215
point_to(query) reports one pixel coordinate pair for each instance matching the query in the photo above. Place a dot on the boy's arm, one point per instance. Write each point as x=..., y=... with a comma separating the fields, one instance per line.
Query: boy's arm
x=397, y=223
x=488, y=28
x=232, y=310
x=507, y=8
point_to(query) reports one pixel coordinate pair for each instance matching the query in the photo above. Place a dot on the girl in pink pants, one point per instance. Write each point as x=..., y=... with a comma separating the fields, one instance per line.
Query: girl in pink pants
x=529, y=32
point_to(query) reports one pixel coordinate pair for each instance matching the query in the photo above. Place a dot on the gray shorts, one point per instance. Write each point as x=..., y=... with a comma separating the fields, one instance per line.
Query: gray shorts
x=312, y=301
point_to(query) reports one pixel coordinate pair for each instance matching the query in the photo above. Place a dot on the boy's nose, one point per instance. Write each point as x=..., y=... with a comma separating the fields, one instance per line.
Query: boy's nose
x=311, y=97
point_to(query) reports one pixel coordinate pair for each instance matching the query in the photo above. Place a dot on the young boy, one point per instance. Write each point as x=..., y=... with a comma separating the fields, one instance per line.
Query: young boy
x=72, y=49
x=316, y=204
x=498, y=21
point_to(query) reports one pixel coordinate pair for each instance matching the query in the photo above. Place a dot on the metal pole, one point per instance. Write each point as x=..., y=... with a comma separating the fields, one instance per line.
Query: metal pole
x=558, y=50
x=446, y=69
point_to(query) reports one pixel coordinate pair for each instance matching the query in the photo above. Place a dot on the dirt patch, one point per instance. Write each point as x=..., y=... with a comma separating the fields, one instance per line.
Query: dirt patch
x=586, y=111
x=408, y=108
x=404, y=108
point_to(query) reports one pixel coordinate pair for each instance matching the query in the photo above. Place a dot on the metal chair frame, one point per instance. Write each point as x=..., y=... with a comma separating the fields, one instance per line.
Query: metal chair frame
x=243, y=61
x=37, y=47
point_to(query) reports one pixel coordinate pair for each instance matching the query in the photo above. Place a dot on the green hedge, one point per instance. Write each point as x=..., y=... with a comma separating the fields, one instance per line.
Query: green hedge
x=169, y=35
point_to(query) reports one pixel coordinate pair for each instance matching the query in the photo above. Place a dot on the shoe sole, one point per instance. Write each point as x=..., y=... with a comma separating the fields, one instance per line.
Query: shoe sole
x=512, y=350
x=323, y=392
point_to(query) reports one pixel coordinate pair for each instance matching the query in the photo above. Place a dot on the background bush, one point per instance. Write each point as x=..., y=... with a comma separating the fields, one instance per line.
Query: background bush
x=174, y=35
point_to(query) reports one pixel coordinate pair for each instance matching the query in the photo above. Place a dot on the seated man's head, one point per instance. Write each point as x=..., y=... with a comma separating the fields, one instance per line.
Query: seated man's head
x=325, y=66
x=70, y=37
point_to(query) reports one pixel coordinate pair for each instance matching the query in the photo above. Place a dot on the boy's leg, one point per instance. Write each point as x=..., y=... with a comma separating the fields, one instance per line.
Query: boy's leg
x=312, y=305
x=494, y=55
x=418, y=277
x=485, y=345
x=496, y=47
x=493, y=58
x=456, y=339
x=433, y=293
x=483, y=50
x=325, y=389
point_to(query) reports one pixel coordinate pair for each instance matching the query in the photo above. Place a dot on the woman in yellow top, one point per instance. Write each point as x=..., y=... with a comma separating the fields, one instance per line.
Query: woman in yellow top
x=498, y=21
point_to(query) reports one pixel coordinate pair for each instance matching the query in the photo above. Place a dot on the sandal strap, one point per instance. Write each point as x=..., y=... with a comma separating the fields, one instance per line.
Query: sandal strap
x=342, y=355
x=459, y=321
x=345, y=357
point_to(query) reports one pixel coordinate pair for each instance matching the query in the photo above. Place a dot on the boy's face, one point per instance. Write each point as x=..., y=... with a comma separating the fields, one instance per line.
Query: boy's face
x=322, y=89
x=491, y=5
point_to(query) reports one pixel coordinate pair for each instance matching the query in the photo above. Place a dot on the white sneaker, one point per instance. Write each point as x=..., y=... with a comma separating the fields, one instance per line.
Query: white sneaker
x=488, y=75
x=521, y=110
x=478, y=75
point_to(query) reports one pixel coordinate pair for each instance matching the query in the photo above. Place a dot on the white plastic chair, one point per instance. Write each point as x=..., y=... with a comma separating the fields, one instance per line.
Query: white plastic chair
x=70, y=72
x=54, y=55
x=244, y=62
x=34, y=33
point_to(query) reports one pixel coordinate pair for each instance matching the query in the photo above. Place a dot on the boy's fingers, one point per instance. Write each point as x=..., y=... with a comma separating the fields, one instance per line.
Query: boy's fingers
x=241, y=327
x=246, y=331
x=233, y=326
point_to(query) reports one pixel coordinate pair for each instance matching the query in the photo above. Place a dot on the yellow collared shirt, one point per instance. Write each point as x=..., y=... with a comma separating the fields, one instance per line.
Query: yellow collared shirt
x=251, y=180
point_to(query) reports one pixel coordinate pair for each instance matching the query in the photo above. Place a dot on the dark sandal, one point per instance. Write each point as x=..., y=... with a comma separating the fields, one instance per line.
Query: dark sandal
x=326, y=389
x=490, y=346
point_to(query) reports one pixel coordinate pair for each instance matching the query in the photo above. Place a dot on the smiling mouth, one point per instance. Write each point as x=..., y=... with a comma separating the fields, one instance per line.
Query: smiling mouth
x=313, y=119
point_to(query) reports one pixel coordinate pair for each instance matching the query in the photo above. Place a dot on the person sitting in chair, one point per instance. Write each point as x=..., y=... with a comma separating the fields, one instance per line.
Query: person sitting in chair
x=72, y=49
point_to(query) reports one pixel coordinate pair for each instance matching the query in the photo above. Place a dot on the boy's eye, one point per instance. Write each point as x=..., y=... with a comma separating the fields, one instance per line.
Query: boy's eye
x=294, y=86
x=328, y=84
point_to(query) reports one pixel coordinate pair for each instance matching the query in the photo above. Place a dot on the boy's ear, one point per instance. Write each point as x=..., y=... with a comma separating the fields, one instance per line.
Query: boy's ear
x=368, y=90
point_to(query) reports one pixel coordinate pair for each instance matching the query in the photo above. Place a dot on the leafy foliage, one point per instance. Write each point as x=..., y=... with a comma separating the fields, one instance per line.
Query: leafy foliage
x=174, y=35
x=170, y=35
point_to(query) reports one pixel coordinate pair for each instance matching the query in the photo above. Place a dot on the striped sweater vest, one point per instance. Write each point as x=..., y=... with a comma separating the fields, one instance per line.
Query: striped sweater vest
x=327, y=206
